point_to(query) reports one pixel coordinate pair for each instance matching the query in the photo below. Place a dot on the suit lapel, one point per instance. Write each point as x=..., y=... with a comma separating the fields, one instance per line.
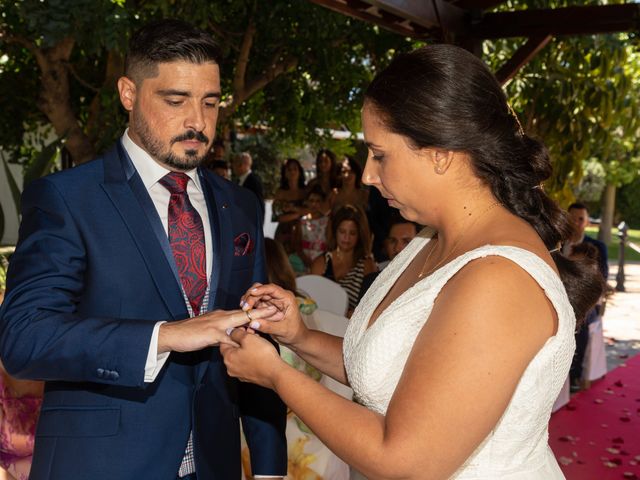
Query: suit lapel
x=127, y=192
x=221, y=234
x=222, y=239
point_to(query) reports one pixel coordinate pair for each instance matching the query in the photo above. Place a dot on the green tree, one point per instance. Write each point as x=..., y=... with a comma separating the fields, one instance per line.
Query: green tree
x=580, y=96
x=290, y=65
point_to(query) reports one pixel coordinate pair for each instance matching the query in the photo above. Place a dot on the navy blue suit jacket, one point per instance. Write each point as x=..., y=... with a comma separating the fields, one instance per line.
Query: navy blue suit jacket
x=91, y=275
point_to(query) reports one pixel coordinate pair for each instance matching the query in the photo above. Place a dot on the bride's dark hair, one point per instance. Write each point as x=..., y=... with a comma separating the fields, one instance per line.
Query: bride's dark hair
x=443, y=96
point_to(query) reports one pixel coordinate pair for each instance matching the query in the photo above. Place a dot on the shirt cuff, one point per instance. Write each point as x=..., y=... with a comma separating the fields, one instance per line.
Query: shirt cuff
x=155, y=361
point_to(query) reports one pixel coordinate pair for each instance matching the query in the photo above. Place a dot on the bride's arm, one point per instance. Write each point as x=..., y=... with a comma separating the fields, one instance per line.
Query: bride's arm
x=486, y=325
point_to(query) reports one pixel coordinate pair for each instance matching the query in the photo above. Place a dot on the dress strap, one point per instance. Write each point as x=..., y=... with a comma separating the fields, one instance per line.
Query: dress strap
x=531, y=263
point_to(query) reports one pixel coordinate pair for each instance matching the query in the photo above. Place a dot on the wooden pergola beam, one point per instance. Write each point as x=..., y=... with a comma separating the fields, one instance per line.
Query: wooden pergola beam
x=360, y=10
x=430, y=14
x=521, y=57
x=558, y=21
x=477, y=4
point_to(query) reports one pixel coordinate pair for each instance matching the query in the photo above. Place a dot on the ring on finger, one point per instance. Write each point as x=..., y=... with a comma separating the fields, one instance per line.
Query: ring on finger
x=248, y=316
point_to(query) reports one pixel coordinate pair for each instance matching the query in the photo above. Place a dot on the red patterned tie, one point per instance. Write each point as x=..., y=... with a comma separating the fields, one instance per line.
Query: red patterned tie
x=186, y=236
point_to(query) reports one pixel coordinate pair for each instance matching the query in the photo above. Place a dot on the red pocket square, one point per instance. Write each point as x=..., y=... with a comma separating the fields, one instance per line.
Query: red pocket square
x=242, y=245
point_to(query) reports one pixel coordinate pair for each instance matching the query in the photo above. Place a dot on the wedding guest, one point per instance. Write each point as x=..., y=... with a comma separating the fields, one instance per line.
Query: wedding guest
x=464, y=342
x=579, y=215
x=311, y=233
x=349, y=257
x=309, y=458
x=116, y=289
x=326, y=175
x=20, y=402
x=379, y=214
x=246, y=178
x=288, y=202
x=400, y=235
x=350, y=190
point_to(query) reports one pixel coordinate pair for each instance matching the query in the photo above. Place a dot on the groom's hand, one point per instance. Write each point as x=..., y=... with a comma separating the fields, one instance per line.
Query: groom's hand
x=209, y=329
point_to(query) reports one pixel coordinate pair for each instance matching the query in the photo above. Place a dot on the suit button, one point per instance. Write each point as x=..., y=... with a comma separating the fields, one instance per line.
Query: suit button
x=100, y=372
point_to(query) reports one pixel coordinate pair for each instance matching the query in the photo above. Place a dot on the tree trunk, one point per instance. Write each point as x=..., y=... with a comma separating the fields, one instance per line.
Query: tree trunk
x=56, y=101
x=606, y=217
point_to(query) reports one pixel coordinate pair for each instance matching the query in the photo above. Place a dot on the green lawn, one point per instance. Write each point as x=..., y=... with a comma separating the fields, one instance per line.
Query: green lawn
x=614, y=246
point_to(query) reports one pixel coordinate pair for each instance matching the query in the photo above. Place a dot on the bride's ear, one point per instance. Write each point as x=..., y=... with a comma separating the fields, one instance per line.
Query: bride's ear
x=440, y=159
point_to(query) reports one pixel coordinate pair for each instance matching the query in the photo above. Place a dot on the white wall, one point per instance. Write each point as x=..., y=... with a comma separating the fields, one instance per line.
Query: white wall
x=11, y=221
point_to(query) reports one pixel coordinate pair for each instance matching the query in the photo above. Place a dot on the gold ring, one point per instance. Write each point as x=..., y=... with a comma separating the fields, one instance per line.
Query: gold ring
x=248, y=316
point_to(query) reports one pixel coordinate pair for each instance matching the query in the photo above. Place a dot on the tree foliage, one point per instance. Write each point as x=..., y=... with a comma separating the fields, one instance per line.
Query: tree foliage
x=580, y=96
x=290, y=65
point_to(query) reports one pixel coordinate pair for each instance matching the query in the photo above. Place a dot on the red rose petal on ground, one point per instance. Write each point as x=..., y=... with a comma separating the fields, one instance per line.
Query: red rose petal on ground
x=625, y=419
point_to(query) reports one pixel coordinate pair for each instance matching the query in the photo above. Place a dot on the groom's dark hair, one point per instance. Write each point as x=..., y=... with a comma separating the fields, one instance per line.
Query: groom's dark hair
x=167, y=41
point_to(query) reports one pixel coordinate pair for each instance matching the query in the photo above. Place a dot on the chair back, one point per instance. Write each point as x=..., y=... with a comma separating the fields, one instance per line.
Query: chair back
x=328, y=295
x=333, y=324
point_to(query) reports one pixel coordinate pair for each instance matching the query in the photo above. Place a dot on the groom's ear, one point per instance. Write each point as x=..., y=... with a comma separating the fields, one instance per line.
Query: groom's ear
x=127, y=91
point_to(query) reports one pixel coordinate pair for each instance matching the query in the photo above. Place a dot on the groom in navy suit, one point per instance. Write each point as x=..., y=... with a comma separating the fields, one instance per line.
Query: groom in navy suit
x=115, y=289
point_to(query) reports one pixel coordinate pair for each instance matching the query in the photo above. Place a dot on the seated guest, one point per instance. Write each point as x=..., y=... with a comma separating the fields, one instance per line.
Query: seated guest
x=20, y=402
x=349, y=258
x=401, y=233
x=350, y=190
x=308, y=457
x=288, y=203
x=310, y=236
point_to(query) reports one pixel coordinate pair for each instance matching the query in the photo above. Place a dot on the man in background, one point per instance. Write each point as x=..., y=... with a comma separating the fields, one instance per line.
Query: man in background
x=579, y=215
x=401, y=232
x=246, y=178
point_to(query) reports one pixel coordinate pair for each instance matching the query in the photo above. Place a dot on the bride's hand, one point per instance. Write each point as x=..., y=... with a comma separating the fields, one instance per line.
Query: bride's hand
x=285, y=325
x=255, y=360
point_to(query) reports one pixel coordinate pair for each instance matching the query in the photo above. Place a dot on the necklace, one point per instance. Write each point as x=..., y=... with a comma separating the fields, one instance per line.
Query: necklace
x=424, y=273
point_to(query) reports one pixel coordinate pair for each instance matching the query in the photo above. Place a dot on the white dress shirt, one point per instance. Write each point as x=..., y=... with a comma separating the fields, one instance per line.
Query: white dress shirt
x=151, y=172
x=242, y=178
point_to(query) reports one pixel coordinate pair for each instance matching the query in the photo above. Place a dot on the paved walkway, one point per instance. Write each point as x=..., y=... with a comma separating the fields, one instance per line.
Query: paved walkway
x=621, y=322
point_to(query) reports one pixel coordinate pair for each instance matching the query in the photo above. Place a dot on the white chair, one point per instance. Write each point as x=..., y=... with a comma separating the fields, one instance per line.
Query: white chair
x=328, y=295
x=335, y=325
x=306, y=451
x=594, y=365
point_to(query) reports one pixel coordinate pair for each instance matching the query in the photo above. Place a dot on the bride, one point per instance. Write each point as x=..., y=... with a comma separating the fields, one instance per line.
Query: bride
x=459, y=349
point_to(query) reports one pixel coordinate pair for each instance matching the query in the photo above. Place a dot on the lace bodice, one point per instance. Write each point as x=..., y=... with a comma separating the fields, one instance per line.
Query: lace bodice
x=375, y=357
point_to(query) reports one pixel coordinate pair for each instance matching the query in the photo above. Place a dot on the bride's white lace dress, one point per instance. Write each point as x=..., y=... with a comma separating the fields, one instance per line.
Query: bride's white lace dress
x=374, y=358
